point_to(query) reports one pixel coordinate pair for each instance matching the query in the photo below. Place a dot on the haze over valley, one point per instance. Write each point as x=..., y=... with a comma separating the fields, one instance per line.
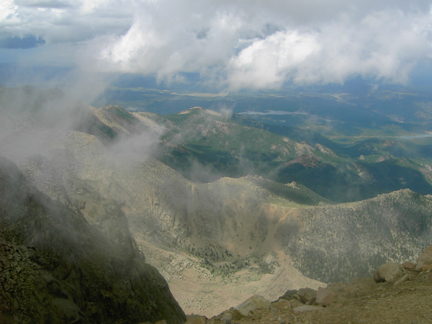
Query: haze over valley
x=160, y=159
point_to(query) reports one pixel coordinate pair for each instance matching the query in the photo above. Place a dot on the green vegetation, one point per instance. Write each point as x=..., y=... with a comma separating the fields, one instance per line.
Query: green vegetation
x=205, y=146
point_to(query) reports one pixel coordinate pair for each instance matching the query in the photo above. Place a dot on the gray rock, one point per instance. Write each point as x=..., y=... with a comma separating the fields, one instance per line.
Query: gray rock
x=230, y=314
x=281, y=304
x=325, y=296
x=388, y=272
x=376, y=277
x=425, y=258
x=290, y=294
x=307, y=295
x=226, y=317
x=252, y=303
x=409, y=265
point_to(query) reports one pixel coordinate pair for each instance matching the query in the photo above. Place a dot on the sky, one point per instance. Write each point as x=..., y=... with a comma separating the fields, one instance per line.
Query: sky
x=232, y=45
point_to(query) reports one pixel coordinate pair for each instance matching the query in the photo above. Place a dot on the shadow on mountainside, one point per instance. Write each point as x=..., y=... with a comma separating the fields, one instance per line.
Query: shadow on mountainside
x=57, y=268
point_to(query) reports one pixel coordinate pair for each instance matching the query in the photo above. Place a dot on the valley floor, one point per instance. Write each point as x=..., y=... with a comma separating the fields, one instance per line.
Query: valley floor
x=198, y=291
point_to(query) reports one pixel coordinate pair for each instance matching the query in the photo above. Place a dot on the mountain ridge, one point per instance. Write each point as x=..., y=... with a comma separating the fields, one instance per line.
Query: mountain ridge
x=249, y=232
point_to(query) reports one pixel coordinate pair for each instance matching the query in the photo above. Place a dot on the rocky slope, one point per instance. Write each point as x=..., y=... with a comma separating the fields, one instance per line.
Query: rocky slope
x=216, y=243
x=399, y=293
x=56, y=268
x=231, y=232
x=352, y=239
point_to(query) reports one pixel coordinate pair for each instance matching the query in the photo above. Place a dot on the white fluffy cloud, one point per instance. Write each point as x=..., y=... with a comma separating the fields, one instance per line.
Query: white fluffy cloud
x=383, y=45
x=268, y=62
x=237, y=43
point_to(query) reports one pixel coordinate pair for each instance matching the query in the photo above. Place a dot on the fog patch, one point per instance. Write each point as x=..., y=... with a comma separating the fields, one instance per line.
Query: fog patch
x=129, y=150
x=40, y=122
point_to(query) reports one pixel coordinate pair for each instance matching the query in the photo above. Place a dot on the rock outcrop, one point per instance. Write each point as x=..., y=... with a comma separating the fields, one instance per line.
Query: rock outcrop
x=252, y=303
x=325, y=296
x=55, y=267
x=307, y=295
x=388, y=272
x=424, y=261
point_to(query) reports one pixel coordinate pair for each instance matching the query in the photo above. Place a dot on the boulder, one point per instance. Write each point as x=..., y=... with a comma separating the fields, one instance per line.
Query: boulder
x=325, y=296
x=252, y=303
x=228, y=315
x=409, y=265
x=426, y=267
x=388, y=272
x=307, y=295
x=424, y=259
x=376, y=277
x=281, y=304
x=290, y=294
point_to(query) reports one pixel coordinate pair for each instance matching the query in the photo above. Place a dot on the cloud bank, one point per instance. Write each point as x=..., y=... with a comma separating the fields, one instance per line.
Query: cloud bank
x=232, y=44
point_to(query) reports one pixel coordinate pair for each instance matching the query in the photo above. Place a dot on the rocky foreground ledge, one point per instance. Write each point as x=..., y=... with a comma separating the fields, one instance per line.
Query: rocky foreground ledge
x=397, y=293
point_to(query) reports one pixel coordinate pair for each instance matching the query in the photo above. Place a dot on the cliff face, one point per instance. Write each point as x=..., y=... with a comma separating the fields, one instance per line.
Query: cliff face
x=55, y=267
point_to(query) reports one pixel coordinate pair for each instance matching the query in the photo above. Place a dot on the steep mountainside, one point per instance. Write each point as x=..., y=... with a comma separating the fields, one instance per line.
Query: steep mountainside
x=231, y=229
x=352, y=239
x=57, y=268
x=221, y=241
x=204, y=146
